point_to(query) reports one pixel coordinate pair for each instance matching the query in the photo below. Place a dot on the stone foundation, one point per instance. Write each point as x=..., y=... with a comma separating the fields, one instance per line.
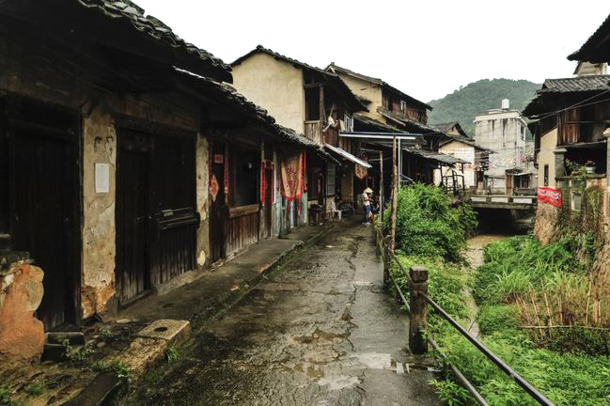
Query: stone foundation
x=21, y=291
x=546, y=223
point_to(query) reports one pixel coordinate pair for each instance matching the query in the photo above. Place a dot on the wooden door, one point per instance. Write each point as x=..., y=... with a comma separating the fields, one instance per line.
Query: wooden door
x=45, y=196
x=268, y=200
x=509, y=184
x=218, y=209
x=133, y=217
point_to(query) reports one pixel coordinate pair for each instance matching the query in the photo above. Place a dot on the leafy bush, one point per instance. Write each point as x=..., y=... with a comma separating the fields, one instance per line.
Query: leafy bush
x=497, y=318
x=428, y=226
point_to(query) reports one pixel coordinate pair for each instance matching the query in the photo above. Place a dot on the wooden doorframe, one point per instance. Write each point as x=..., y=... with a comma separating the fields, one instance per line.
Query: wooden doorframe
x=13, y=123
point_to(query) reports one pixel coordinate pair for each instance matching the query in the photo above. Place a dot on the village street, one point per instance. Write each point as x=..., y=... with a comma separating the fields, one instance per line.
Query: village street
x=319, y=331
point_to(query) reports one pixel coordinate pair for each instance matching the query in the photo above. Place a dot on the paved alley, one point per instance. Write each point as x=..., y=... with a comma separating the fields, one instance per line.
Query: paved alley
x=318, y=331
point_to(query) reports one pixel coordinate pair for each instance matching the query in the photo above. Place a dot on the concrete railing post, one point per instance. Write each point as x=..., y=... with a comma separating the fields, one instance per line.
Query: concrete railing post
x=418, y=319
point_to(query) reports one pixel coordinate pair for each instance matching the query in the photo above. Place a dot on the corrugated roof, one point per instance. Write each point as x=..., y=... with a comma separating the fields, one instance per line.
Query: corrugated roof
x=351, y=99
x=597, y=48
x=155, y=29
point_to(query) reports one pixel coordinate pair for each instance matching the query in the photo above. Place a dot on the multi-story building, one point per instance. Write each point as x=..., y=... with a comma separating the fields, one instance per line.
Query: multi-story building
x=312, y=102
x=504, y=131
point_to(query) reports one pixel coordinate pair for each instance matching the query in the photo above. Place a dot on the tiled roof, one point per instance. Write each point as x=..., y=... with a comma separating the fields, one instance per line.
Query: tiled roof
x=446, y=127
x=132, y=14
x=351, y=99
x=410, y=125
x=561, y=93
x=377, y=125
x=238, y=102
x=586, y=83
x=597, y=47
x=334, y=68
x=436, y=156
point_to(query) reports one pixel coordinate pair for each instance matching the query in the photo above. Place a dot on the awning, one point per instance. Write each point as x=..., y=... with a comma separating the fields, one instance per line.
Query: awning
x=436, y=156
x=348, y=156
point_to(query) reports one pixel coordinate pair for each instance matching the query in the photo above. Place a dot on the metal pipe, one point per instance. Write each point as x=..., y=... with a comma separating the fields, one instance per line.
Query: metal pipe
x=459, y=375
x=527, y=387
x=533, y=392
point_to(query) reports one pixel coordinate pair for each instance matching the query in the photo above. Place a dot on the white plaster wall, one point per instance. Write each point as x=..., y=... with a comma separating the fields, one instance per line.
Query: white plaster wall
x=466, y=153
x=548, y=143
x=276, y=86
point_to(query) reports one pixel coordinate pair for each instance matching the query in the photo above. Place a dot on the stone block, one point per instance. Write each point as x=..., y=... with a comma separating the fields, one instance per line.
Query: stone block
x=167, y=329
x=21, y=334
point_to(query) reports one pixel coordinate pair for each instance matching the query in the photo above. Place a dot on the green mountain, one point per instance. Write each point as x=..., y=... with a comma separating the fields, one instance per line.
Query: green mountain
x=466, y=102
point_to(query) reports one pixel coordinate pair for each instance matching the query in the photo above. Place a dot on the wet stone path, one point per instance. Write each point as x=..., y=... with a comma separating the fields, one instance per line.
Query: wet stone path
x=318, y=331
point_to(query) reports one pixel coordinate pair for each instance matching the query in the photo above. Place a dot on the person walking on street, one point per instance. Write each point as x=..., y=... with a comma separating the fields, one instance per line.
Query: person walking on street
x=367, y=197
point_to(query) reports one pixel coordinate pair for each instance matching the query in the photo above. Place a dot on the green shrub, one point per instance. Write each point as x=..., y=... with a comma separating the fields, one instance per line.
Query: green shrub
x=428, y=226
x=497, y=318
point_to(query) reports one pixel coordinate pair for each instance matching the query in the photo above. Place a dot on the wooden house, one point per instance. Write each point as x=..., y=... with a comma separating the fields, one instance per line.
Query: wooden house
x=392, y=111
x=572, y=117
x=125, y=161
x=458, y=144
x=312, y=102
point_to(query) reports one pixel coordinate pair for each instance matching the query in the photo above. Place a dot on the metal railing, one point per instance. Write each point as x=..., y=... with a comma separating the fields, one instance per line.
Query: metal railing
x=388, y=257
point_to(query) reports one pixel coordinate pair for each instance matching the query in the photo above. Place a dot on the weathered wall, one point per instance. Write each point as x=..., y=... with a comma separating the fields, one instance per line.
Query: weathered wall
x=99, y=229
x=548, y=143
x=466, y=153
x=203, y=180
x=276, y=86
x=35, y=73
x=21, y=334
x=504, y=133
x=367, y=90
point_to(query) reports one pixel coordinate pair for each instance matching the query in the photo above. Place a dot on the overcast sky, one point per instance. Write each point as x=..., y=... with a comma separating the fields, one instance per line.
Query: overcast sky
x=426, y=48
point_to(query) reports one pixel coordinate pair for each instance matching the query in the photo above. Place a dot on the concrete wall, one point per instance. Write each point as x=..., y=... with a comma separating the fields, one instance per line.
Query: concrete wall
x=548, y=143
x=503, y=132
x=277, y=86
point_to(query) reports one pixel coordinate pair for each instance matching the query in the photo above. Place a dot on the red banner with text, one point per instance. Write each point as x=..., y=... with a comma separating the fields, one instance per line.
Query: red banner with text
x=292, y=175
x=550, y=196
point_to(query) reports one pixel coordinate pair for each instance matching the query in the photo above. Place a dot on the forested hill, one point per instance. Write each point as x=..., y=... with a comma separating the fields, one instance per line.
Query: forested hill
x=465, y=103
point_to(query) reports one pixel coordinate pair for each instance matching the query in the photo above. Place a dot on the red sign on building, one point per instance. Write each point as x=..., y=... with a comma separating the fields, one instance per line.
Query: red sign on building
x=550, y=196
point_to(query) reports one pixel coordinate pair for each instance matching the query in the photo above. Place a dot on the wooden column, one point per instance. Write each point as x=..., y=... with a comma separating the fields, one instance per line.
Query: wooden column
x=381, y=198
x=394, y=196
x=418, y=318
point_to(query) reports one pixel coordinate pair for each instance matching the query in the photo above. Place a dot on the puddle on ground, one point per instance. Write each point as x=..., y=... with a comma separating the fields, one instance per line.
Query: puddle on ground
x=346, y=373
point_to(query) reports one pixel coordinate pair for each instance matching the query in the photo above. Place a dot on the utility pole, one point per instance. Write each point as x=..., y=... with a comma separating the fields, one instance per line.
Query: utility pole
x=394, y=195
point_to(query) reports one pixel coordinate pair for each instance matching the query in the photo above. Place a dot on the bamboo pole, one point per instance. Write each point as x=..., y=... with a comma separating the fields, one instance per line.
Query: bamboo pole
x=394, y=196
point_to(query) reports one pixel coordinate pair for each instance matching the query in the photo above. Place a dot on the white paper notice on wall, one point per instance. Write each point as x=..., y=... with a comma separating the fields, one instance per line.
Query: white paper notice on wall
x=102, y=178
